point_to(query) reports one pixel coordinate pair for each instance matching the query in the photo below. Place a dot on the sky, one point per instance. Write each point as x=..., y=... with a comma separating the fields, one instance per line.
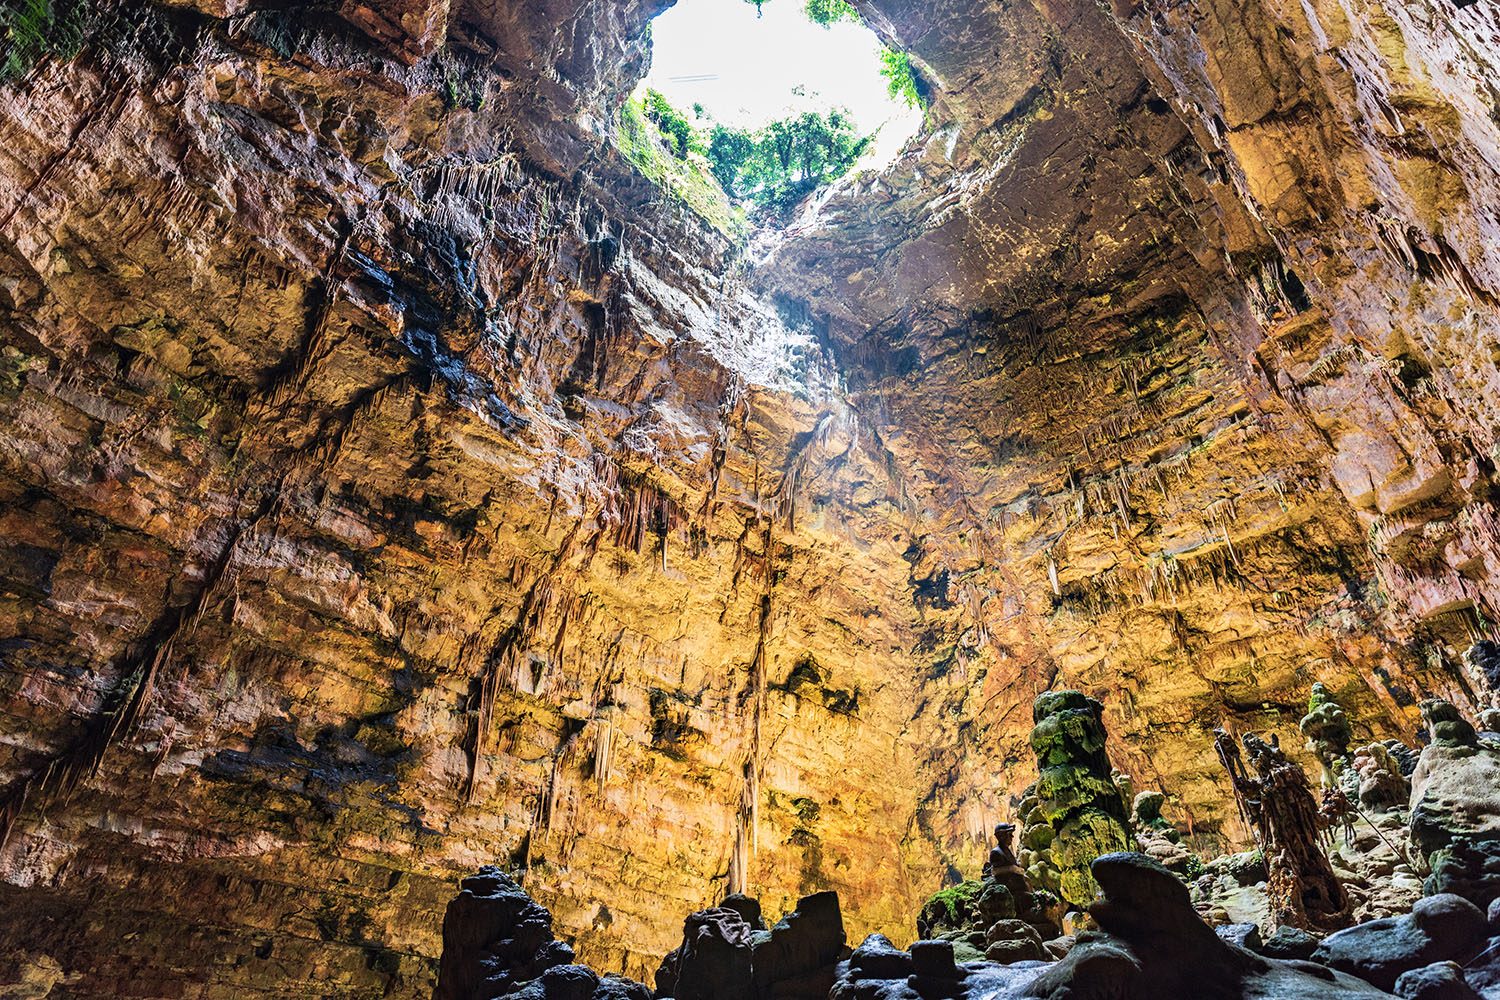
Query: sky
x=743, y=69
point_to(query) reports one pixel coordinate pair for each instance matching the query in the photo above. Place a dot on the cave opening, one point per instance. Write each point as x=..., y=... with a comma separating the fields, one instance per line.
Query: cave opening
x=771, y=101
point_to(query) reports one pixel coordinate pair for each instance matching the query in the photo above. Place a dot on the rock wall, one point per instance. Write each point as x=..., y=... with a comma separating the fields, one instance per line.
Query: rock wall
x=396, y=482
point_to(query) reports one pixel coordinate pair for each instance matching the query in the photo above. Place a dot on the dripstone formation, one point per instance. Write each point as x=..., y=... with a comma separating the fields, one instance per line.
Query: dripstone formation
x=1277, y=801
x=1074, y=793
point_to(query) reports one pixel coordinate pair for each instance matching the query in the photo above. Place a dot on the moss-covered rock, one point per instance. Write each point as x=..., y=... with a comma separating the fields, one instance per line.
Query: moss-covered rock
x=1075, y=793
x=952, y=909
x=1326, y=728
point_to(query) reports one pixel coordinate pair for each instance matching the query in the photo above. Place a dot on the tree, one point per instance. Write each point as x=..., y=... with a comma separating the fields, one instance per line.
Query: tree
x=729, y=151
x=901, y=80
x=827, y=12
x=778, y=144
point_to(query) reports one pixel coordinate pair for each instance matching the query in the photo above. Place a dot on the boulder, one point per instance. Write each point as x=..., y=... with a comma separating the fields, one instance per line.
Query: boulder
x=1482, y=972
x=1010, y=941
x=561, y=982
x=1438, y=928
x=1289, y=943
x=1467, y=867
x=1244, y=935
x=1439, y=981
x=935, y=975
x=613, y=987
x=877, y=958
x=1455, y=789
x=953, y=909
x=713, y=961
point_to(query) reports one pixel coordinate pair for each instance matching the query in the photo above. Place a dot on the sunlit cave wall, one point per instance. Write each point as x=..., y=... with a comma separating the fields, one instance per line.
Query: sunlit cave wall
x=1190, y=356
x=395, y=481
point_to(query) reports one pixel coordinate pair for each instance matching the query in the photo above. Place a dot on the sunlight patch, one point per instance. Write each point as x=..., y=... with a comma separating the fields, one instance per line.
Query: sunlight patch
x=729, y=63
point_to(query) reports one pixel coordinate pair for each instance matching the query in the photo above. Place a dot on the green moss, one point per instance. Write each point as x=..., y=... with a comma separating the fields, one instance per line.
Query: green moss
x=35, y=29
x=950, y=909
x=690, y=180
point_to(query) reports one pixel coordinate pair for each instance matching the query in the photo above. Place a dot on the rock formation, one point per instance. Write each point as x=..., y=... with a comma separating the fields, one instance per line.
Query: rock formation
x=394, y=478
x=1277, y=801
x=497, y=942
x=1158, y=839
x=1381, y=785
x=1452, y=788
x=1074, y=791
x=1327, y=730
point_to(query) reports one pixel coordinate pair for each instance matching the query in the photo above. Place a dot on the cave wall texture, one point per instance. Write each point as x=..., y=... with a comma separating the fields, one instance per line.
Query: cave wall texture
x=392, y=480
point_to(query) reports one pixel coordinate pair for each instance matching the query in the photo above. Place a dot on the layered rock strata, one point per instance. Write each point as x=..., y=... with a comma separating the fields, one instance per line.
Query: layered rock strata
x=394, y=479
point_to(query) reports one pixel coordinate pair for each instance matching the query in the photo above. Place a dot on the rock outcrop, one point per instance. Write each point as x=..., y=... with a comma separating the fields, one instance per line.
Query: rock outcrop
x=393, y=478
x=1452, y=788
x=1074, y=790
x=497, y=942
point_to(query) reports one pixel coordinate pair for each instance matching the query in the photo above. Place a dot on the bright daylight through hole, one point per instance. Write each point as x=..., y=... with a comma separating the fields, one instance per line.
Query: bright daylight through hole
x=773, y=101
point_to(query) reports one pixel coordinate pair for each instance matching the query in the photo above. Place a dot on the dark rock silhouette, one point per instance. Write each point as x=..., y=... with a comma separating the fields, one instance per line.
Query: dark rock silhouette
x=1438, y=928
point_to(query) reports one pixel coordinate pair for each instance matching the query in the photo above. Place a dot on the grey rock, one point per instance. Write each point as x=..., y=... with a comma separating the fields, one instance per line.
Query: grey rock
x=1439, y=981
x=1244, y=935
x=1437, y=929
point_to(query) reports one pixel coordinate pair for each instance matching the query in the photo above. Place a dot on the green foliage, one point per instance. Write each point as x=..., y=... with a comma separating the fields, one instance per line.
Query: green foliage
x=900, y=78
x=689, y=179
x=675, y=127
x=34, y=29
x=1194, y=867
x=950, y=909
x=787, y=158
x=826, y=12
x=729, y=149
x=775, y=165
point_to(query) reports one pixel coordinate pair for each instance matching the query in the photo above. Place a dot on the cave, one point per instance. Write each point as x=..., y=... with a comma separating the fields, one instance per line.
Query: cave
x=459, y=538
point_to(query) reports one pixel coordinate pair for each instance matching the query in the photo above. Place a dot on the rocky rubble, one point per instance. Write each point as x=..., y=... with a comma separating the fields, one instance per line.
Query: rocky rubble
x=1144, y=936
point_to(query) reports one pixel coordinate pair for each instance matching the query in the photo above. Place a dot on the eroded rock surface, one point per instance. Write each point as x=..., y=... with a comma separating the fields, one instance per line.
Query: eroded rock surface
x=393, y=480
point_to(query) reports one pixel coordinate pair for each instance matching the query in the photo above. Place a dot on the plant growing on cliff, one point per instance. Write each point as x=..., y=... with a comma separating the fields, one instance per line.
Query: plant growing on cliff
x=901, y=80
x=690, y=178
x=34, y=29
x=827, y=12
x=674, y=126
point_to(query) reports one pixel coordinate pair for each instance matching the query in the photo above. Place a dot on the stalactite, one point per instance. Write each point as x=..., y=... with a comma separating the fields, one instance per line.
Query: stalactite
x=547, y=802
x=604, y=745
x=141, y=666
x=504, y=660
